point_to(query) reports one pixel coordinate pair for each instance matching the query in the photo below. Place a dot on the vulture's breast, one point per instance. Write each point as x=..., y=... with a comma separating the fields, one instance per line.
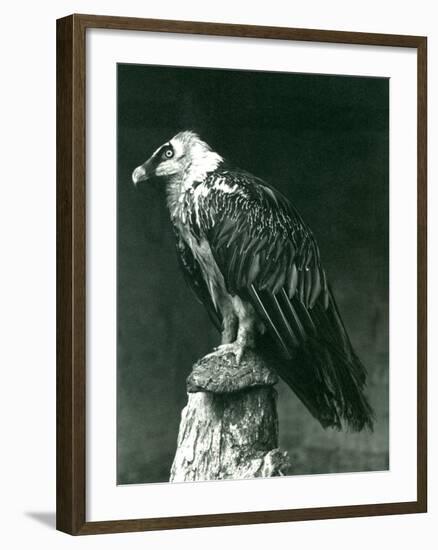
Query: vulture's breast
x=203, y=255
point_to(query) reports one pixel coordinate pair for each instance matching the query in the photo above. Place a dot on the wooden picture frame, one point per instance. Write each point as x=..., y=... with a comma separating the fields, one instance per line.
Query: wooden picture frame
x=71, y=271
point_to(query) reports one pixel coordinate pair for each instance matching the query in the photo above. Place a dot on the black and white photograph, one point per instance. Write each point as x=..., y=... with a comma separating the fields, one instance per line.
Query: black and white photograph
x=218, y=275
x=252, y=274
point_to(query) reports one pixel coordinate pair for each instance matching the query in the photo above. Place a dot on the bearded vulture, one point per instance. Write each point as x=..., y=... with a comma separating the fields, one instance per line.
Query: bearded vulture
x=255, y=266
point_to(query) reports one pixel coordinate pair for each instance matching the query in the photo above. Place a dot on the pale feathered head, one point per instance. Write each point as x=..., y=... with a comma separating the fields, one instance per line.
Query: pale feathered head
x=182, y=160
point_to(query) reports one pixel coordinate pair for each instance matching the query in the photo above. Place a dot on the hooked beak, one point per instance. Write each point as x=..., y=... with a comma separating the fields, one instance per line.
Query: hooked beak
x=142, y=173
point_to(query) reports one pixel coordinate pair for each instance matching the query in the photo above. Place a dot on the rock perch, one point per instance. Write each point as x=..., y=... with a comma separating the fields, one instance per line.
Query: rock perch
x=229, y=427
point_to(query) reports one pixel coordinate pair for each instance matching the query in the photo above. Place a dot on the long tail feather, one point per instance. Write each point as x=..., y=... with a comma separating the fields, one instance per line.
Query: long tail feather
x=323, y=371
x=326, y=384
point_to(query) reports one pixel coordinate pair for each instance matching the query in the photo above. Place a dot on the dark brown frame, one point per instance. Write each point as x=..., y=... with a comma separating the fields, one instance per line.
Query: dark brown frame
x=71, y=231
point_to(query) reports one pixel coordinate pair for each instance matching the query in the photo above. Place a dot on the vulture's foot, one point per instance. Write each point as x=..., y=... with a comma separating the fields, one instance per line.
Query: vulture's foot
x=218, y=371
x=235, y=348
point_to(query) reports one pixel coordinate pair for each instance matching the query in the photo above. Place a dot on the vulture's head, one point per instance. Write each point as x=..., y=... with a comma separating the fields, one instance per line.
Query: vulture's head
x=182, y=160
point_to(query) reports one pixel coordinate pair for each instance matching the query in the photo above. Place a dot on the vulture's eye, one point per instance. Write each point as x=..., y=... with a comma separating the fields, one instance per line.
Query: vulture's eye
x=167, y=153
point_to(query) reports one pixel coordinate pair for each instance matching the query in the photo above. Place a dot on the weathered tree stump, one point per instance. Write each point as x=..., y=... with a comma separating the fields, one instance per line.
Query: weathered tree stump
x=229, y=427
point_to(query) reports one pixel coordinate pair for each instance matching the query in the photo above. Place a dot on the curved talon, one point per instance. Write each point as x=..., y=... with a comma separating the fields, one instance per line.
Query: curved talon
x=234, y=348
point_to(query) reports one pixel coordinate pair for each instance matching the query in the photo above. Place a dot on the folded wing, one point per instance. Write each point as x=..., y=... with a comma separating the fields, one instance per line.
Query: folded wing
x=269, y=257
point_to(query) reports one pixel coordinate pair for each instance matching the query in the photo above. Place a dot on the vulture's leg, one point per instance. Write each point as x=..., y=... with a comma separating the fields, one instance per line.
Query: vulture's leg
x=230, y=323
x=229, y=330
x=239, y=329
x=246, y=333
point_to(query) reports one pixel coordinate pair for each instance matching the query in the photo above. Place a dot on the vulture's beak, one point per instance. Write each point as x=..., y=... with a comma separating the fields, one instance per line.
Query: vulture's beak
x=142, y=172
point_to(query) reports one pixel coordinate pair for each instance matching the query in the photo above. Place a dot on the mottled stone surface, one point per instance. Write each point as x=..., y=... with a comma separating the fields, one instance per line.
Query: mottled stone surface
x=229, y=427
x=219, y=373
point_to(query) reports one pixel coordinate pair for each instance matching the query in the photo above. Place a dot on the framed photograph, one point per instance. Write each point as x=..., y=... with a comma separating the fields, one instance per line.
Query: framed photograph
x=241, y=274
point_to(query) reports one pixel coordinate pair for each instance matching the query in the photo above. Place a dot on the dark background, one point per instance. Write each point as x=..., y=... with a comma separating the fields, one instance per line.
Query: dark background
x=323, y=141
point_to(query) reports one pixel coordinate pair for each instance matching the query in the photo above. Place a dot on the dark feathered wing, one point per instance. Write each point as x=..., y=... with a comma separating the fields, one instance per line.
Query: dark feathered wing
x=269, y=257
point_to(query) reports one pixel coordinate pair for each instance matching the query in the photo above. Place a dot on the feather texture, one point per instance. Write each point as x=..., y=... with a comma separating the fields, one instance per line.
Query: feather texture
x=268, y=256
